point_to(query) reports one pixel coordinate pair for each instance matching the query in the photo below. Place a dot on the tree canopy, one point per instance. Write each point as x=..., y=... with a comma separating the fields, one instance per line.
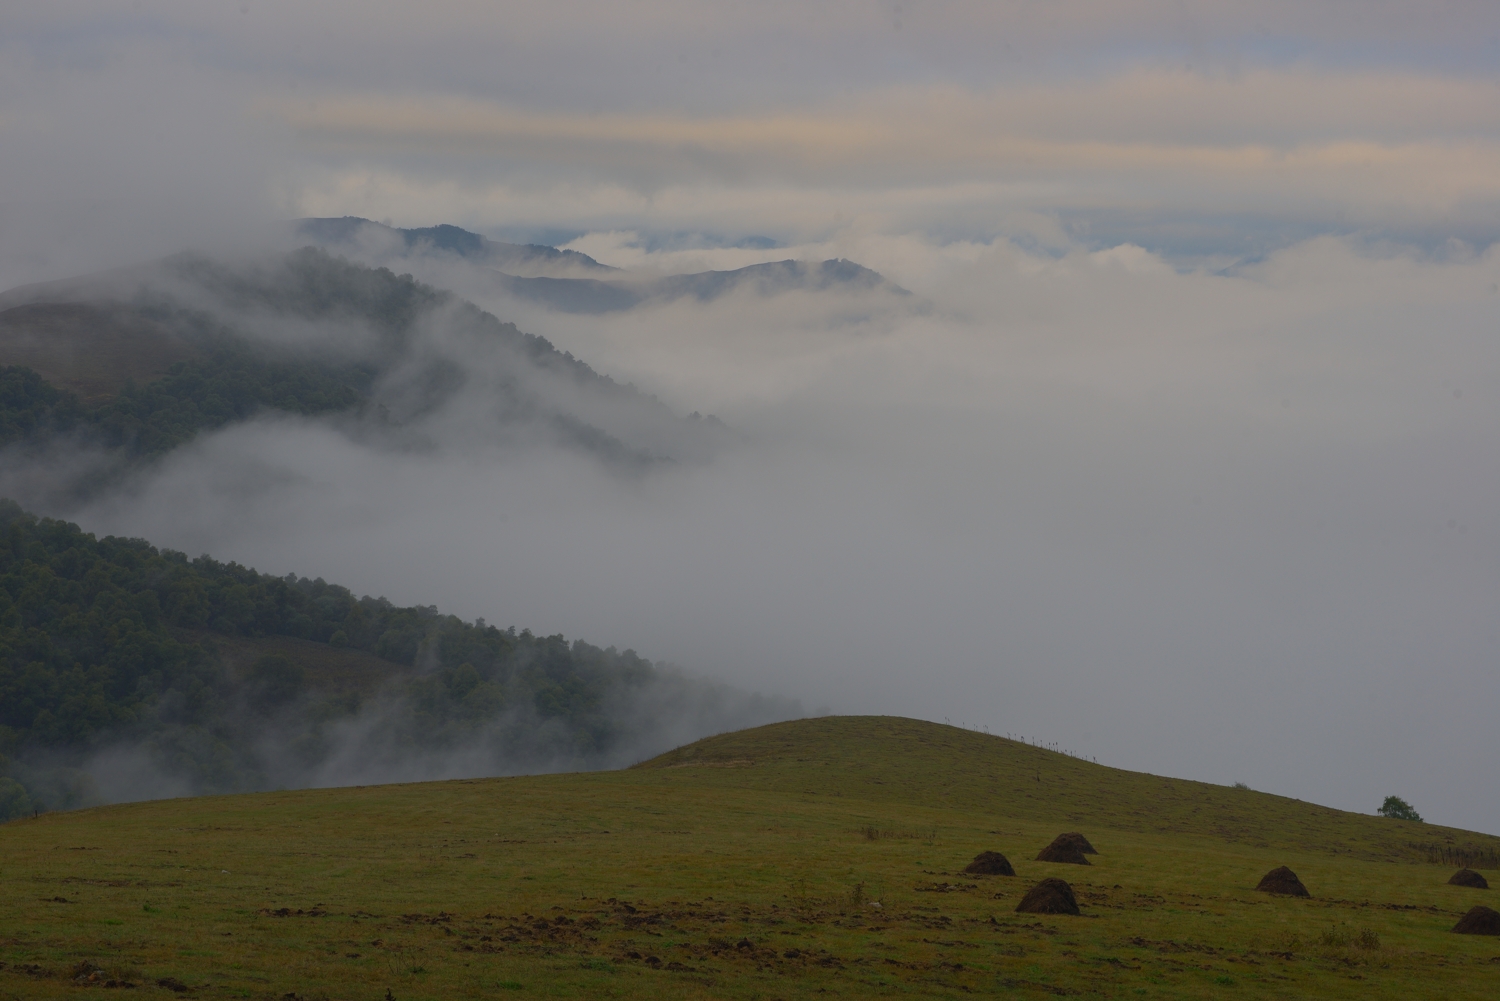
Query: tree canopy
x=109, y=639
x=1398, y=809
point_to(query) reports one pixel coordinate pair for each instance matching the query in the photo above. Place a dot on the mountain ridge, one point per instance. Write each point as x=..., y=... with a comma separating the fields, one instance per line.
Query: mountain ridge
x=382, y=347
x=571, y=282
x=445, y=238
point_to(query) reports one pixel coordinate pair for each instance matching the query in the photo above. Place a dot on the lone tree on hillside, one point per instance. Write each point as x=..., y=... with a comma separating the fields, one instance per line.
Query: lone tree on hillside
x=1398, y=809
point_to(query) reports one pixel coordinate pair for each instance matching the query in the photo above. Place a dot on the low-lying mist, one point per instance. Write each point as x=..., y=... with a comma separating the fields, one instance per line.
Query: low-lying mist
x=390, y=734
x=1227, y=525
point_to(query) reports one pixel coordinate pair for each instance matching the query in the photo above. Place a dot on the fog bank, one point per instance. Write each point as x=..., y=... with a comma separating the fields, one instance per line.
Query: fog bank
x=1229, y=526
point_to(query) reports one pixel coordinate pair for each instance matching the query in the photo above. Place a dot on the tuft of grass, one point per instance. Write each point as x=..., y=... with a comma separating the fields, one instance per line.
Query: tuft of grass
x=1339, y=937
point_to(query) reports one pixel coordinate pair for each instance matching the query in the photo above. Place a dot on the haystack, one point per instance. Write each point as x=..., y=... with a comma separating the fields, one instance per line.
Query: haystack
x=990, y=864
x=1468, y=877
x=1082, y=842
x=1480, y=920
x=1050, y=896
x=1282, y=880
x=1065, y=848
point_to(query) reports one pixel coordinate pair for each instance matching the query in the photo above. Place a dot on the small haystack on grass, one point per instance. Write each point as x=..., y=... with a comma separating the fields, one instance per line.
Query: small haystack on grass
x=1283, y=881
x=1468, y=877
x=1065, y=848
x=1074, y=838
x=1480, y=920
x=1050, y=896
x=990, y=864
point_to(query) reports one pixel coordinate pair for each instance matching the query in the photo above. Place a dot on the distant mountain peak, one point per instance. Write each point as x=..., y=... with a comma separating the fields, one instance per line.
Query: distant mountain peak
x=533, y=258
x=572, y=282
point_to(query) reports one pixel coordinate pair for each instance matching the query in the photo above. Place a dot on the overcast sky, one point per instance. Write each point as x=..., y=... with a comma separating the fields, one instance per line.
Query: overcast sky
x=1192, y=466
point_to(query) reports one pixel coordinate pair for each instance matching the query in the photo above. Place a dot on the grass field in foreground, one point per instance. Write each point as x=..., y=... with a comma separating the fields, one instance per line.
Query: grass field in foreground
x=744, y=866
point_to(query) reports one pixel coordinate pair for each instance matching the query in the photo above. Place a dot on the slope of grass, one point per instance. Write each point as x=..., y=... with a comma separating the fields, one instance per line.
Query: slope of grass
x=886, y=759
x=732, y=869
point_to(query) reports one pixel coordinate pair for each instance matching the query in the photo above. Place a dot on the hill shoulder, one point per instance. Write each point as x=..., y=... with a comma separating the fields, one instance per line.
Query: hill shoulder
x=892, y=759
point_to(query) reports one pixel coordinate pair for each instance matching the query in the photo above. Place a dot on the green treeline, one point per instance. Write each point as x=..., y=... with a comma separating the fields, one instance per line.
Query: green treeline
x=32, y=408
x=97, y=643
x=234, y=376
x=110, y=642
x=230, y=383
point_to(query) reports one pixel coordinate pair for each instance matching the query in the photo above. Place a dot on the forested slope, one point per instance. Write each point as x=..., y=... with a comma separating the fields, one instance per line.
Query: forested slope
x=108, y=643
x=303, y=333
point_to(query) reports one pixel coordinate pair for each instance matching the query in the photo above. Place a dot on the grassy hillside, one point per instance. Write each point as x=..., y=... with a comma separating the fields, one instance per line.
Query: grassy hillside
x=745, y=866
x=947, y=767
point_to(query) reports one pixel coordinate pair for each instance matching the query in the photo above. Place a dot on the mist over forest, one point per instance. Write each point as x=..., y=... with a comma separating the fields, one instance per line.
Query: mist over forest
x=1100, y=374
x=130, y=672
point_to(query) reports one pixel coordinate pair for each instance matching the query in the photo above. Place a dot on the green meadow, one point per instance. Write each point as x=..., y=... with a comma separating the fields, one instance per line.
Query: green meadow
x=812, y=859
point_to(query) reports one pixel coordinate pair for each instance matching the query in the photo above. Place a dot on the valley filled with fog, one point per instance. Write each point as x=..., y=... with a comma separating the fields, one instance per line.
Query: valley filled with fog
x=1152, y=514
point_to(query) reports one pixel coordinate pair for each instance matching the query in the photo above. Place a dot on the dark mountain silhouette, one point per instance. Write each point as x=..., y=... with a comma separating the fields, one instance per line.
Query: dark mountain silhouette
x=527, y=258
x=570, y=282
x=139, y=361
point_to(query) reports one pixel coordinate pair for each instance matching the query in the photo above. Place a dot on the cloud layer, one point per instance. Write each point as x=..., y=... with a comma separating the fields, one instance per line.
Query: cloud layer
x=1214, y=131
x=1229, y=526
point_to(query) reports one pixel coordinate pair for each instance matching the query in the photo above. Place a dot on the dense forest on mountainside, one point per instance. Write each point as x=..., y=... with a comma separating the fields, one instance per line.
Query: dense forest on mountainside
x=303, y=333
x=104, y=641
x=231, y=383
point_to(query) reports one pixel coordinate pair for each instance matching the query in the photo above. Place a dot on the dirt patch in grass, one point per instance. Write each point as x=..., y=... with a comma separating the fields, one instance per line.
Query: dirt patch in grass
x=87, y=974
x=287, y=912
x=990, y=864
x=1468, y=877
x=1282, y=880
x=1480, y=920
x=1050, y=896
